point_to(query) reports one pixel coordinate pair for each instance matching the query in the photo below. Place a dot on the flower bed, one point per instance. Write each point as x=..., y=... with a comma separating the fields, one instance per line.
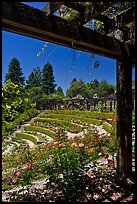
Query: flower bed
x=75, y=128
x=28, y=137
x=39, y=129
x=89, y=114
x=75, y=119
x=62, y=160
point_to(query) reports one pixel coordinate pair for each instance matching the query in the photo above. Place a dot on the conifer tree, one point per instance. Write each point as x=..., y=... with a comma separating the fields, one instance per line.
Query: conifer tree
x=34, y=79
x=48, y=81
x=59, y=91
x=15, y=73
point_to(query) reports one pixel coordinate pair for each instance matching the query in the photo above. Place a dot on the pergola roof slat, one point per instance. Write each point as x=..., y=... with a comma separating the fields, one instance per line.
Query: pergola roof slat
x=93, y=10
x=37, y=25
x=119, y=21
x=51, y=7
x=74, y=6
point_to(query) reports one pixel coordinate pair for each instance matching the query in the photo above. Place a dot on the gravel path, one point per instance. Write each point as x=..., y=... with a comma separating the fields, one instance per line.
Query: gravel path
x=99, y=129
x=31, y=144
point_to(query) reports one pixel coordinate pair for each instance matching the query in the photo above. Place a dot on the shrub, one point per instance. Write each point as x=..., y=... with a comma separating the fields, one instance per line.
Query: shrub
x=8, y=128
x=39, y=129
x=28, y=137
x=107, y=127
x=89, y=114
x=65, y=124
x=77, y=119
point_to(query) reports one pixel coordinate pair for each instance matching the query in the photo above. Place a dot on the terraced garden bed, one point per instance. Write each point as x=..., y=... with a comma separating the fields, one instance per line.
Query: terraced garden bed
x=62, y=155
x=72, y=118
x=40, y=130
x=85, y=114
x=46, y=122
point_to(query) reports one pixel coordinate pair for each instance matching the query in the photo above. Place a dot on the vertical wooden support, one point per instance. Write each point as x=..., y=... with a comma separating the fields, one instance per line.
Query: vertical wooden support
x=110, y=106
x=124, y=116
x=114, y=104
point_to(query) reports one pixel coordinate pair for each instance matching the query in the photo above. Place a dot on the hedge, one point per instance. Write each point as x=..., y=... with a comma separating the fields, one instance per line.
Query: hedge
x=27, y=136
x=108, y=127
x=39, y=129
x=76, y=119
x=89, y=114
x=65, y=124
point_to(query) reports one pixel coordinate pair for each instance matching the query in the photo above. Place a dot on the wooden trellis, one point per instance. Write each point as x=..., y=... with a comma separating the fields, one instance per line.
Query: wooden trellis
x=115, y=39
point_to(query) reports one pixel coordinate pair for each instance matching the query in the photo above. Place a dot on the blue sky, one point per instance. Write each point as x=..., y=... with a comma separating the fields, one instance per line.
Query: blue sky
x=61, y=58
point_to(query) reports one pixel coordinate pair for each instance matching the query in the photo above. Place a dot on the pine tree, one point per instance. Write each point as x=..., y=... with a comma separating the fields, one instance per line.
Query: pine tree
x=48, y=80
x=34, y=79
x=15, y=73
x=59, y=91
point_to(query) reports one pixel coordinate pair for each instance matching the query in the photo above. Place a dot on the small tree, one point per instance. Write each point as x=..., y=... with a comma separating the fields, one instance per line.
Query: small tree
x=15, y=73
x=48, y=80
x=59, y=91
x=76, y=87
x=14, y=101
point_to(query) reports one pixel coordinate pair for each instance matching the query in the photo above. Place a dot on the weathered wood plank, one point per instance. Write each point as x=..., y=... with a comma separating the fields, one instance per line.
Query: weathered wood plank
x=124, y=116
x=73, y=6
x=32, y=22
x=119, y=21
x=92, y=11
x=51, y=7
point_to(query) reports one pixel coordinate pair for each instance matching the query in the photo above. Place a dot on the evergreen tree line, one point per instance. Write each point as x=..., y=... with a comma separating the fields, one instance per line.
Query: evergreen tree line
x=41, y=84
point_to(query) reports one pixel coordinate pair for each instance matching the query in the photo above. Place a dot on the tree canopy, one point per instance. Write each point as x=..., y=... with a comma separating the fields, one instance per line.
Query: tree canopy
x=48, y=81
x=88, y=90
x=35, y=78
x=15, y=73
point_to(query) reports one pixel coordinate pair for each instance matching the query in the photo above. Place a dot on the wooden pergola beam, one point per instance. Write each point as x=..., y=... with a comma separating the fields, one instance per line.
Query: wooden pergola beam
x=51, y=7
x=118, y=22
x=76, y=7
x=25, y=20
x=92, y=11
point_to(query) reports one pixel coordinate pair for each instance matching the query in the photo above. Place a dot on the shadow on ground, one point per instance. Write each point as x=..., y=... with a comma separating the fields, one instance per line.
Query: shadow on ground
x=95, y=186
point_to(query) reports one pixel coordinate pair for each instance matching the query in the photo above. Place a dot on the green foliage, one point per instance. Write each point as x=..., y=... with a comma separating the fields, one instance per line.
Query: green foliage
x=87, y=90
x=76, y=87
x=15, y=73
x=39, y=129
x=35, y=78
x=27, y=136
x=65, y=124
x=48, y=80
x=9, y=127
x=133, y=120
x=84, y=114
x=59, y=91
x=108, y=127
x=35, y=93
x=101, y=107
x=77, y=119
x=14, y=101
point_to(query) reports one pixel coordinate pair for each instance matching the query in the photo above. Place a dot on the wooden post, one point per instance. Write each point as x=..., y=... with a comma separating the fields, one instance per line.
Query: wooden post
x=124, y=116
x=110, y=106
x=114, y=104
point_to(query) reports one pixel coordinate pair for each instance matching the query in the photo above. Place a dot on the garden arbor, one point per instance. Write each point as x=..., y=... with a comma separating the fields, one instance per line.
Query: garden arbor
x=113, y=35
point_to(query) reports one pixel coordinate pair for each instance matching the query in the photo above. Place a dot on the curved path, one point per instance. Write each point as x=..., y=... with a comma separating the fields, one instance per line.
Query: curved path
x=30, y=143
